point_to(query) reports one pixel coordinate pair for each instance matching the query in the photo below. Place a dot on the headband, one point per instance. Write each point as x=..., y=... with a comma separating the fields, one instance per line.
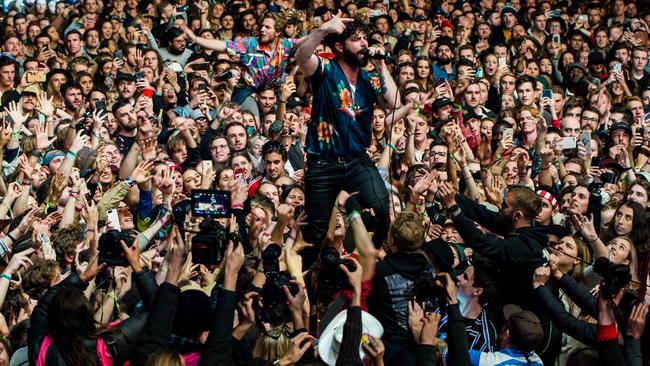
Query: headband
x=548, y=196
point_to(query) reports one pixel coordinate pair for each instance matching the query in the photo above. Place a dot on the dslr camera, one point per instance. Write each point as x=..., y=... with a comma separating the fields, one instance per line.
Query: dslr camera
x=615, y=276
x=110, y=249
x=274, y=309
x=433, y=297
x=331, y=277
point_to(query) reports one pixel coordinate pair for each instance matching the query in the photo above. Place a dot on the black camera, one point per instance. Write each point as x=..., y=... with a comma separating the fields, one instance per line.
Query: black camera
x=274, y=308
x=210, y=243
x=110, y=249
x=432, y=297
x=615, y=276
x=331, y=277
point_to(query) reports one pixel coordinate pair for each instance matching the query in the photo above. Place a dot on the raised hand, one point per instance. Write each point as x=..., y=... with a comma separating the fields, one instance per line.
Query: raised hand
x=337, y=24
x=586, y=226
x=141, y=173
x=16, y=114
x=41, y=134
x=18, y=261
x=45, y=104
x=133, y=253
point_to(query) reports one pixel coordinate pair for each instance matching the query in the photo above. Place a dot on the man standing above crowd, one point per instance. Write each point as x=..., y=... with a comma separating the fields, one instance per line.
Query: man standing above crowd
x=341, y=130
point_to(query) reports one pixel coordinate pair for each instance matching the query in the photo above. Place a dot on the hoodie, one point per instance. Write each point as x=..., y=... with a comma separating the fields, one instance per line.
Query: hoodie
x=392, y=288
x=518, y=252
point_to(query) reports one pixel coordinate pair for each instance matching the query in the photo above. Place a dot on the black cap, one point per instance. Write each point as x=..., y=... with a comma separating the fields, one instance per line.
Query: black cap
x=470, y=115
x=596, y=58
x=621, y=126
x=441, y=102
x=124, y=77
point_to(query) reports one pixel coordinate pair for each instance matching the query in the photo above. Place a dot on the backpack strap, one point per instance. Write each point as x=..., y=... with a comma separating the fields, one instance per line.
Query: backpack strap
x=42, y=353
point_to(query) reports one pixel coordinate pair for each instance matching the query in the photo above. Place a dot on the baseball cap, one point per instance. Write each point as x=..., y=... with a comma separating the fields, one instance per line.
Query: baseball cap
x=441, y=102
x=124, y=77
x=525, y=329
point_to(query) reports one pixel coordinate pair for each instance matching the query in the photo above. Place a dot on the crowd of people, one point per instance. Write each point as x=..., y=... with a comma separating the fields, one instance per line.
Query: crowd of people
x=311, y=182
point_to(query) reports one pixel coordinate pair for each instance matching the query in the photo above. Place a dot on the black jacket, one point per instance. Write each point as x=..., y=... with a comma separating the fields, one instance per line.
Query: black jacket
x=565, y=321
x=519, y=252
x=121, y=344
x=392, y=288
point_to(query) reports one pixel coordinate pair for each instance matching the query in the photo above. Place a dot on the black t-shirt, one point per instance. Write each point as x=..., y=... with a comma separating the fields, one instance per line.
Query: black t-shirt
x=124, y=143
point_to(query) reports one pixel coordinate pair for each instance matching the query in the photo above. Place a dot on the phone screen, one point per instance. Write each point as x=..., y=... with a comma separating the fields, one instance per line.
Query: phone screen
x=547, y=93
x=212, y=203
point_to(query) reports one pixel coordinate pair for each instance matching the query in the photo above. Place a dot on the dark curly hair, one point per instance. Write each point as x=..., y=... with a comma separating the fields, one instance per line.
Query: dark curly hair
x=350, y=30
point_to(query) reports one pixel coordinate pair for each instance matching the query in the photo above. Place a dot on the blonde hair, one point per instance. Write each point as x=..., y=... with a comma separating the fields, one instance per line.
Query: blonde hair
x=165, y=357
x=271, y=349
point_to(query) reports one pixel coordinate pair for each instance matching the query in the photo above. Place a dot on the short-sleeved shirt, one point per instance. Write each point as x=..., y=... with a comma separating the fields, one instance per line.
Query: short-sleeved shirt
x=341, y=115
x=264, y=64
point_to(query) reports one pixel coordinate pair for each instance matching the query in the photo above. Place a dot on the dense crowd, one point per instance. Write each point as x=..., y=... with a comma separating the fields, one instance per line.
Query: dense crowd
x=311, y=182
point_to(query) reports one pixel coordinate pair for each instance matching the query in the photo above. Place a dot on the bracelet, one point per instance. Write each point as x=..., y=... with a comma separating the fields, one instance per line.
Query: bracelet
x=13, y=240
x=354, y=215
x=392, y=147
x=592, y=241
x=5, y=276
x=237, y=205
x=291, y=237
x=73, y=154
x=11, y=213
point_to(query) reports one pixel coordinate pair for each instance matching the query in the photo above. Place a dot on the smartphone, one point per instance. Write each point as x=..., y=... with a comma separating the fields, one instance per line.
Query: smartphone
x=46, y=46
x=224, y=76
x=36, y=77
x=289, y=78
x=139, y=75
x=203, y=88
x=376, y=13
x=119, y=54
x=585, y=139
x=41, y=119
x=502, y=61
x=479, y=72
x=567, y=143
x=212, y=203
x=617, y=67
x=201, y=66
x=113, y=218
x=640, y=131
x=100, y=105
x=608, y=177
x=557, y=38
x=507, y=132
x=547, y=93
x=595, y=161
x=584, y=18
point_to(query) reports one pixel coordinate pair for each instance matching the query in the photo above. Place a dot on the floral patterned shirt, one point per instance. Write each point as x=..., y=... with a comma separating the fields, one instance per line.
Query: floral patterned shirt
x=264, y=64
x=341, y=114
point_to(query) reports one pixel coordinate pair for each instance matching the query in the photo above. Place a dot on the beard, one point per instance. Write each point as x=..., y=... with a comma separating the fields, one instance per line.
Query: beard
x=444, y=61
x=176, y=51
x=355, y=59
x=505, y=221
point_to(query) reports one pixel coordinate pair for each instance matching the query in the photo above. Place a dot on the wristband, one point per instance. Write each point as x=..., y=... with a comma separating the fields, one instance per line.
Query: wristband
x=73, y=154
x=354, y=215
x=392, y=147
x=13, y=240
x=6, y=277
x=291, y=237
x=605, y=332
x=237, y=205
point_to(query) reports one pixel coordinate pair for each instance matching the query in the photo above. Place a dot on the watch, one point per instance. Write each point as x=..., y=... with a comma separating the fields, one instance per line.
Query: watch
x=130, y=182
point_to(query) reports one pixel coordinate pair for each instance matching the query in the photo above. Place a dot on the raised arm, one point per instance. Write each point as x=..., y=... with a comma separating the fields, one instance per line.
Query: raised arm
x=305, y=57
x=211, y=44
